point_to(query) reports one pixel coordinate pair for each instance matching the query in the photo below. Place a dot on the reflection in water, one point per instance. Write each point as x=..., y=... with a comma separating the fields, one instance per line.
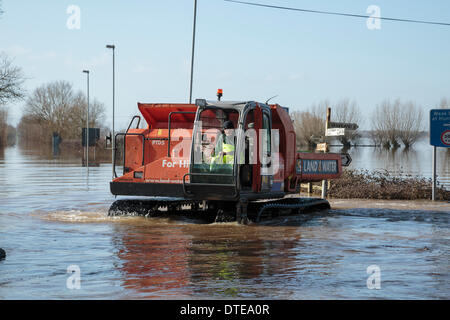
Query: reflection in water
x=398, y=161
x=214, y=260
x=154, y=262
x=222, y=257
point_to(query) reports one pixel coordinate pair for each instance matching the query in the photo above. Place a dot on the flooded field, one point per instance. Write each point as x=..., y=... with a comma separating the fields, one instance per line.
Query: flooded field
x=416, y=161
x=53, y=218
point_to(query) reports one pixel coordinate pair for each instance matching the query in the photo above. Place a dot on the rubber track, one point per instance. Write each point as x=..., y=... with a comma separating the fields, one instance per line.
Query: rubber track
x=146, y=207
x=293, y=203
x=153, y=208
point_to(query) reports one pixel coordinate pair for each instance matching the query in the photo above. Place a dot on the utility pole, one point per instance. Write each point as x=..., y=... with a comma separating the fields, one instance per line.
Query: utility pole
x=113, y=143
x=193, y=50
x=325, y=182
x=433, y=189
x=87, y=123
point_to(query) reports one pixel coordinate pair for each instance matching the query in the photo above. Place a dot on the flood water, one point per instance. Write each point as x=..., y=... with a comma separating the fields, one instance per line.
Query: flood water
x=417, y=161
x=52, y=217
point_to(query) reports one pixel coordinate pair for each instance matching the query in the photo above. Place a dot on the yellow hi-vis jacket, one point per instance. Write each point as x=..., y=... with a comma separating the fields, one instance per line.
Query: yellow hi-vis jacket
x=228, y=153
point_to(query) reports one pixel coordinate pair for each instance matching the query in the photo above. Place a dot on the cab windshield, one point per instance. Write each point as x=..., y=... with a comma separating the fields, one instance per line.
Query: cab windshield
x=214, y=145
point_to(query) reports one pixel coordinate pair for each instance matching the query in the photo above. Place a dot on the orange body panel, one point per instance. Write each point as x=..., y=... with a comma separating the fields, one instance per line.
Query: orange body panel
x=156, y=166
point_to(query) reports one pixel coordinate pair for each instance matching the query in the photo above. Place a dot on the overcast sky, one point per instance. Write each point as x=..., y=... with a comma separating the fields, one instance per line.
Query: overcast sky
x=251, y=53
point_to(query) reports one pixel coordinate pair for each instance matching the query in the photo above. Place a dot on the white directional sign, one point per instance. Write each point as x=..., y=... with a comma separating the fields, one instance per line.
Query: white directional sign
x=349, y=126
x=335, y=132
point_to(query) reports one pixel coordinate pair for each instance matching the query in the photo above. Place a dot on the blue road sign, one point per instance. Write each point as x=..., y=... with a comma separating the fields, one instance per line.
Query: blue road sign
x=319, y=166
x=440, y=128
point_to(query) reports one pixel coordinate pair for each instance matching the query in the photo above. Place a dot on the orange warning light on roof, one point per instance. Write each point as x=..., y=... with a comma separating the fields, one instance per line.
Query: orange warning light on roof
x=219, y=94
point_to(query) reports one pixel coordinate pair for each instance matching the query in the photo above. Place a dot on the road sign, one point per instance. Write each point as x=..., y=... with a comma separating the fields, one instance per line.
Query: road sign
x=346, y=159
x=439, y=137
x=440, y=128
x=94, y=136
x=315, y=166
x=335, y=132
x=445, y=138
x=349, y=126
x=322, y=147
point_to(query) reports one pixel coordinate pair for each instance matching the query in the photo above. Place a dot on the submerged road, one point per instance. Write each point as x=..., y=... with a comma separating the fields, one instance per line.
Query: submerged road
x=61, y=244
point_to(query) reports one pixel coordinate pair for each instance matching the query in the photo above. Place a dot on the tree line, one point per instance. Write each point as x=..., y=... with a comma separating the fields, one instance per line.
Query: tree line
x=11, y=89
x=392, y=123
x=56, y=107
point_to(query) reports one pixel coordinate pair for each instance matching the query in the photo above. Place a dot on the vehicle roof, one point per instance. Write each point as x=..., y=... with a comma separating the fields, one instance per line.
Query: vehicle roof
x=225, y=104
x=236, y=105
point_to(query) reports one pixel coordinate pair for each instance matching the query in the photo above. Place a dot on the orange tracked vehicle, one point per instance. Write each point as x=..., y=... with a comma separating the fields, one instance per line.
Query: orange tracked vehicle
x=225, y=159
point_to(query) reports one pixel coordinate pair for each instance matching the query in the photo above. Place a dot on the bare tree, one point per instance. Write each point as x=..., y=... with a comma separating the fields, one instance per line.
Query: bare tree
x=3, y=126
x=11, y=88
x=396, y=121
x=30, y=132
x=376, y=136
x=410, y=124
x=310, y=125
x=11, y=81
x=384, y=123
x=347, y=111
x=50, y=106
x=444, y=103
x=78, y=114
x=56, y=108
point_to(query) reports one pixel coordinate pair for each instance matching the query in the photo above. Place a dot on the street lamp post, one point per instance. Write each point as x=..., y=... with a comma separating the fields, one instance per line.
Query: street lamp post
x=193, y=48
x=87, y=123
x=113, y=144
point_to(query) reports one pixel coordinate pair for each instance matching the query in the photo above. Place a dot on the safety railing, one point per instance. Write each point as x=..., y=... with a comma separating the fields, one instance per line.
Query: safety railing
x=124, y=144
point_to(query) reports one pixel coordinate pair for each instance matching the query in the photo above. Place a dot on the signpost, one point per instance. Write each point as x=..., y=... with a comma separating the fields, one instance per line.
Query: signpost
x=335, y=132
x=335, y=129
x=439, y=137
